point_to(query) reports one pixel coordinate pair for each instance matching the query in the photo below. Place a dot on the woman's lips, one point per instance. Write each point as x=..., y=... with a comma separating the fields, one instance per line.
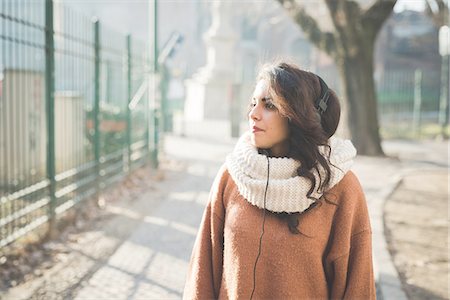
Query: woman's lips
x=256, y=129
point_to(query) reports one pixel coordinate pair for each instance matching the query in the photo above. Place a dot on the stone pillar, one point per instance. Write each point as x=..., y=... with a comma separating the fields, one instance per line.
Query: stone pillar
x=208, y=91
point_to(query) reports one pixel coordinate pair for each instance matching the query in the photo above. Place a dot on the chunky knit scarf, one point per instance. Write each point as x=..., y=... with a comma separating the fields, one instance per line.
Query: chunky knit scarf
x=286, y=191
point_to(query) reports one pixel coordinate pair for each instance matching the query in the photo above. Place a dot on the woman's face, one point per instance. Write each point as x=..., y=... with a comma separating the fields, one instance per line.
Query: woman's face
x=269, y=129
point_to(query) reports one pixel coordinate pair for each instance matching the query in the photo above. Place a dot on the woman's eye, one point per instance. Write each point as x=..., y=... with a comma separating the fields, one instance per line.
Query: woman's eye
x=270, y=105
x=267, y=105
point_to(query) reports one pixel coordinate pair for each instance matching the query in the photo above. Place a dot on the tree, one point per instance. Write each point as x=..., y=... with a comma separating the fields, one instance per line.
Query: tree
x=351, y=45
x=437, y=10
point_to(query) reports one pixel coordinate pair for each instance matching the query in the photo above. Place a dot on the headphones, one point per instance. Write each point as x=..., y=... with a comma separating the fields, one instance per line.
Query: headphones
x=322, y=103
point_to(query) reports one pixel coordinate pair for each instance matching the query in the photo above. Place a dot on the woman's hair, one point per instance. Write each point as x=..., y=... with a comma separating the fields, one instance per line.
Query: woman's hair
x=298, y=91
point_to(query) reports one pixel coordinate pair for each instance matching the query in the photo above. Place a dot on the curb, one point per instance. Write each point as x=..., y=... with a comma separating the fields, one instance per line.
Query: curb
x=386, y=275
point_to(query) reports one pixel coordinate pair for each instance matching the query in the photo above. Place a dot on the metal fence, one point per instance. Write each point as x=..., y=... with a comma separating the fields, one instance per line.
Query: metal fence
x=74, y=117
x=409, y=103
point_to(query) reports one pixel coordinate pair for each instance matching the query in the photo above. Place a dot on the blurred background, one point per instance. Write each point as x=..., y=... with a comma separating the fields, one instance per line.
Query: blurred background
x=94, y=94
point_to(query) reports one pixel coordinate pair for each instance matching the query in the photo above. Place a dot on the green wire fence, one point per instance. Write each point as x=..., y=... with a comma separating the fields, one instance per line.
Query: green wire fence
x=74, y=111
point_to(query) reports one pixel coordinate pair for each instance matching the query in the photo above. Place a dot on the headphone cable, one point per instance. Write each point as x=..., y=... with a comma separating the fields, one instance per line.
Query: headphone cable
x=262, y=230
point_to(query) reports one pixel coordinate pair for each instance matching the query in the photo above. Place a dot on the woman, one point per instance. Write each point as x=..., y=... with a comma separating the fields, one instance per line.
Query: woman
x=286, y=218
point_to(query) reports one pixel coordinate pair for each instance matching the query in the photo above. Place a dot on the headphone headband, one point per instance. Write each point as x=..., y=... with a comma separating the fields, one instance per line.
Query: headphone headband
x=322, y=102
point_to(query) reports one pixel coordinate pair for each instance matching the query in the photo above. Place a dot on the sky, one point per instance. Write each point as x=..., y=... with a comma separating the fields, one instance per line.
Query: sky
x=401, y=5
x=132, y=15
x=123, y=16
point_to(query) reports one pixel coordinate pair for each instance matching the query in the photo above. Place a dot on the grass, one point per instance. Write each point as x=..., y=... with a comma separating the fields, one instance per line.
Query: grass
x=406, y=131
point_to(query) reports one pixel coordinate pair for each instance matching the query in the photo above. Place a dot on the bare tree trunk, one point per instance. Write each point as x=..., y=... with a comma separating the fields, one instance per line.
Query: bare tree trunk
x=359, y=91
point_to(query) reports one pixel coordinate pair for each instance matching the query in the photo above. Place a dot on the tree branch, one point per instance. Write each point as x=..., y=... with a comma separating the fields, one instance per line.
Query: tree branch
x=325, y=41
x=439, y=16
x=344, y=15
x=375, y=16
x=333, y=7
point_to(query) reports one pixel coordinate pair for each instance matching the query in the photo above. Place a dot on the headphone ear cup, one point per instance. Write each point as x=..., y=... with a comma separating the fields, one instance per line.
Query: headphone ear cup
x=322, y=103
x=319, y=117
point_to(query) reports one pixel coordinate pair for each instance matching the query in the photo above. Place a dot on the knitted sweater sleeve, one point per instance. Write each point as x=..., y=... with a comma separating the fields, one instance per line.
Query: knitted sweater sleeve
x=349, y=262
x=205, y=268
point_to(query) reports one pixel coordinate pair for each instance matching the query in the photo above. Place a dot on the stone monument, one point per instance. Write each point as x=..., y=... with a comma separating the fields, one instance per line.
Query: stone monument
x=209, y=90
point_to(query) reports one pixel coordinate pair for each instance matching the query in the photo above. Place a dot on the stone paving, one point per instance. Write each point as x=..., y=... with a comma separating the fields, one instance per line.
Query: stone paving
x=153, y=262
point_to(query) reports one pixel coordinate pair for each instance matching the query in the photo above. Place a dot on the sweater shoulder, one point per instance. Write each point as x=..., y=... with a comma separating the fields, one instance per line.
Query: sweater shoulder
x=223, y=177
x=350, y=181
x=348, y=191
x=351, y=218
x=223, y=187
x=352, y=210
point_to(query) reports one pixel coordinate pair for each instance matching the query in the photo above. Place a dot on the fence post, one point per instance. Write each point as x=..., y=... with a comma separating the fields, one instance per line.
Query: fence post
x=444, y=51
x=417, y=102
x=156, y=117
x=444, y=96
x=128, y=111
x=96, y=108
x=156, y=94
x=164, y=86
x=147, y=111
x=155, y=36
x=50, y=111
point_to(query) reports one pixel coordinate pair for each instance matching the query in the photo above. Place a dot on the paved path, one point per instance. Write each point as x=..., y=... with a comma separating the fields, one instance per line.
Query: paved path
x=153, y=262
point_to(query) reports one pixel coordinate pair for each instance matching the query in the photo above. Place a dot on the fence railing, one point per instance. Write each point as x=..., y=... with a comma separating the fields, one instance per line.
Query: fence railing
x=409, y=104
x=67, y=129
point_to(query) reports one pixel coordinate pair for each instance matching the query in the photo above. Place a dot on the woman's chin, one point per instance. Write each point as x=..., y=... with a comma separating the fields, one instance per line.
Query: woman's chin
x=254, y=141
x=257, y=144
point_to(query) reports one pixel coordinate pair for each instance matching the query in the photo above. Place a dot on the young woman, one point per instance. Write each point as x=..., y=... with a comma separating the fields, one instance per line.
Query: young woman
x=286, y=218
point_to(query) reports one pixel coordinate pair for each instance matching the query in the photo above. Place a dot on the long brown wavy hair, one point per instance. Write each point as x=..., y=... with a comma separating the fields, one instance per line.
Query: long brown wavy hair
x=296, y=91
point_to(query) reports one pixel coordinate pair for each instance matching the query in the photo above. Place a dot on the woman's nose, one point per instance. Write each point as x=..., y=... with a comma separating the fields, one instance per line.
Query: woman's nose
x=254, y=113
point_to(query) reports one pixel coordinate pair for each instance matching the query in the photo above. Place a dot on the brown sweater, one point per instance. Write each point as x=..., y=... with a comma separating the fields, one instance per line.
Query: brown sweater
x=331, y=258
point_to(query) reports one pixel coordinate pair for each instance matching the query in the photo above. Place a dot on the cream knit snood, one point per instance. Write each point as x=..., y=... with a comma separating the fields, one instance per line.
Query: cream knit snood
x=287, y=191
